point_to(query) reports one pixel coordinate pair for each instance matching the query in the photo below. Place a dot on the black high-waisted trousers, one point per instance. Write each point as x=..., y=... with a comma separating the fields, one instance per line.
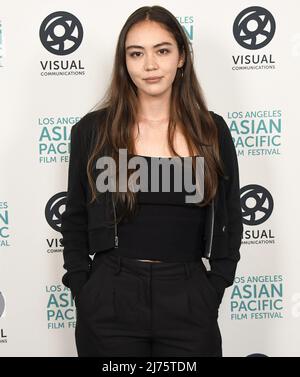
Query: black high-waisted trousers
x=142, y=309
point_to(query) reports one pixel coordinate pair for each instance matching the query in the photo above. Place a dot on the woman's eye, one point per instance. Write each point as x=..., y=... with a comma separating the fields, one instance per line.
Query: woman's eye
x=164, y=49
x=134, y=53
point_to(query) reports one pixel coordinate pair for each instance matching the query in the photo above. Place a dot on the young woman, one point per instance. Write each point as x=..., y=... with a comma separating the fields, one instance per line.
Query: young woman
x=146, y=291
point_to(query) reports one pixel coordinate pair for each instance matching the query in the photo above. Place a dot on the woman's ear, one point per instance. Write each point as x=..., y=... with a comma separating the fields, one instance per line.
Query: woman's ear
x=181, y=60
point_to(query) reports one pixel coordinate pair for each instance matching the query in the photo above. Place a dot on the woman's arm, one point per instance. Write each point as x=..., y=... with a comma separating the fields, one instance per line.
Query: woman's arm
x=74, y=220
x=223, y=268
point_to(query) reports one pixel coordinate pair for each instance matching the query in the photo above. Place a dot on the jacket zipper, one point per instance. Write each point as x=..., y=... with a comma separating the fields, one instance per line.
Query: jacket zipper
x=211, y=228
x=115, y=222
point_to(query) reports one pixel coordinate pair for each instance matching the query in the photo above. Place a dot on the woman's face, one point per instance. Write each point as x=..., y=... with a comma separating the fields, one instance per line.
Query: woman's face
x=151, y=51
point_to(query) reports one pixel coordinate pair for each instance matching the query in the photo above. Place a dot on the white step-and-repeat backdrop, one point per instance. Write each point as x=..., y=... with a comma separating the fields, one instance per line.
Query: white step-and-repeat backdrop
x=247, y=57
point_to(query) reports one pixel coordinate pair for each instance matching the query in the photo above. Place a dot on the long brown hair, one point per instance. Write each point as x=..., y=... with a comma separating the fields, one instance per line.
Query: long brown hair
x=187, y=106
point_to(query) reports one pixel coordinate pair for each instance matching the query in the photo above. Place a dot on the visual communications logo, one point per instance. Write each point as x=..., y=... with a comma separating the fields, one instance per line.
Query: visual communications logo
x=53, y=211
x=253, y=29
x=257, y=207
x=61, y=33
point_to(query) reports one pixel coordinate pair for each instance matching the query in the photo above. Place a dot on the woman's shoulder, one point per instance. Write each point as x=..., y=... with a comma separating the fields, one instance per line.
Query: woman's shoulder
x=87, y=128
x=90, y=121
x=219, y=120
x=221, y=124
x=226, y=142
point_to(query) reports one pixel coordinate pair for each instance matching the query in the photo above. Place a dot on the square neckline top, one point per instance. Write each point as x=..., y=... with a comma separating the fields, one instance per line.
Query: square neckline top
x=165, y=157
x=164, y=227
x=153, y=197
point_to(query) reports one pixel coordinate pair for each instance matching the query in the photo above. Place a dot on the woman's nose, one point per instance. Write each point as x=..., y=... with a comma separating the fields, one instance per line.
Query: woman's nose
x=150, y=62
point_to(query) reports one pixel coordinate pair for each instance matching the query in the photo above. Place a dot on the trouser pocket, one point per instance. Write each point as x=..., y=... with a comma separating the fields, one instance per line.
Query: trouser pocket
x=203, y=298
x=95, y=299
x=88, y=294
x=209, y=285
x=126, y=296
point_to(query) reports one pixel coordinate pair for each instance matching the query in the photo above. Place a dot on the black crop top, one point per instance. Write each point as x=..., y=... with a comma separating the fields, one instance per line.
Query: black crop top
x=165, y=227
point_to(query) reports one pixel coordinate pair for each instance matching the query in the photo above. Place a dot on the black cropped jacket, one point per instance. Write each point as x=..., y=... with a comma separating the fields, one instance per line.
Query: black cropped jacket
x=85, y=233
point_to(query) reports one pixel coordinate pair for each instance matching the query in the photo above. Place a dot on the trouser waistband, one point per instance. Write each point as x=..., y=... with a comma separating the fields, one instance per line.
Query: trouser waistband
x=118, y=262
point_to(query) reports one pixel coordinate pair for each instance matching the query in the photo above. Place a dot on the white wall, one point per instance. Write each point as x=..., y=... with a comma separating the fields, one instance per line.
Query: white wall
x=30, y=252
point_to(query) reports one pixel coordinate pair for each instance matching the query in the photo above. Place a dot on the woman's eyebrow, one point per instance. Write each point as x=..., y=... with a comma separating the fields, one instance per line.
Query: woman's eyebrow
x=157, y=45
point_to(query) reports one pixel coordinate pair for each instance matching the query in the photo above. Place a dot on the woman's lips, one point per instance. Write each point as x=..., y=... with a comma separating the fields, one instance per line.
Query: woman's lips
x=153, y=80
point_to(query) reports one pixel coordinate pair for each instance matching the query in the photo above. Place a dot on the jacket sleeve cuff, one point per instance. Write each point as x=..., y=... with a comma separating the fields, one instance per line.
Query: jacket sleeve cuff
x=77, y=280
x=218, y=283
